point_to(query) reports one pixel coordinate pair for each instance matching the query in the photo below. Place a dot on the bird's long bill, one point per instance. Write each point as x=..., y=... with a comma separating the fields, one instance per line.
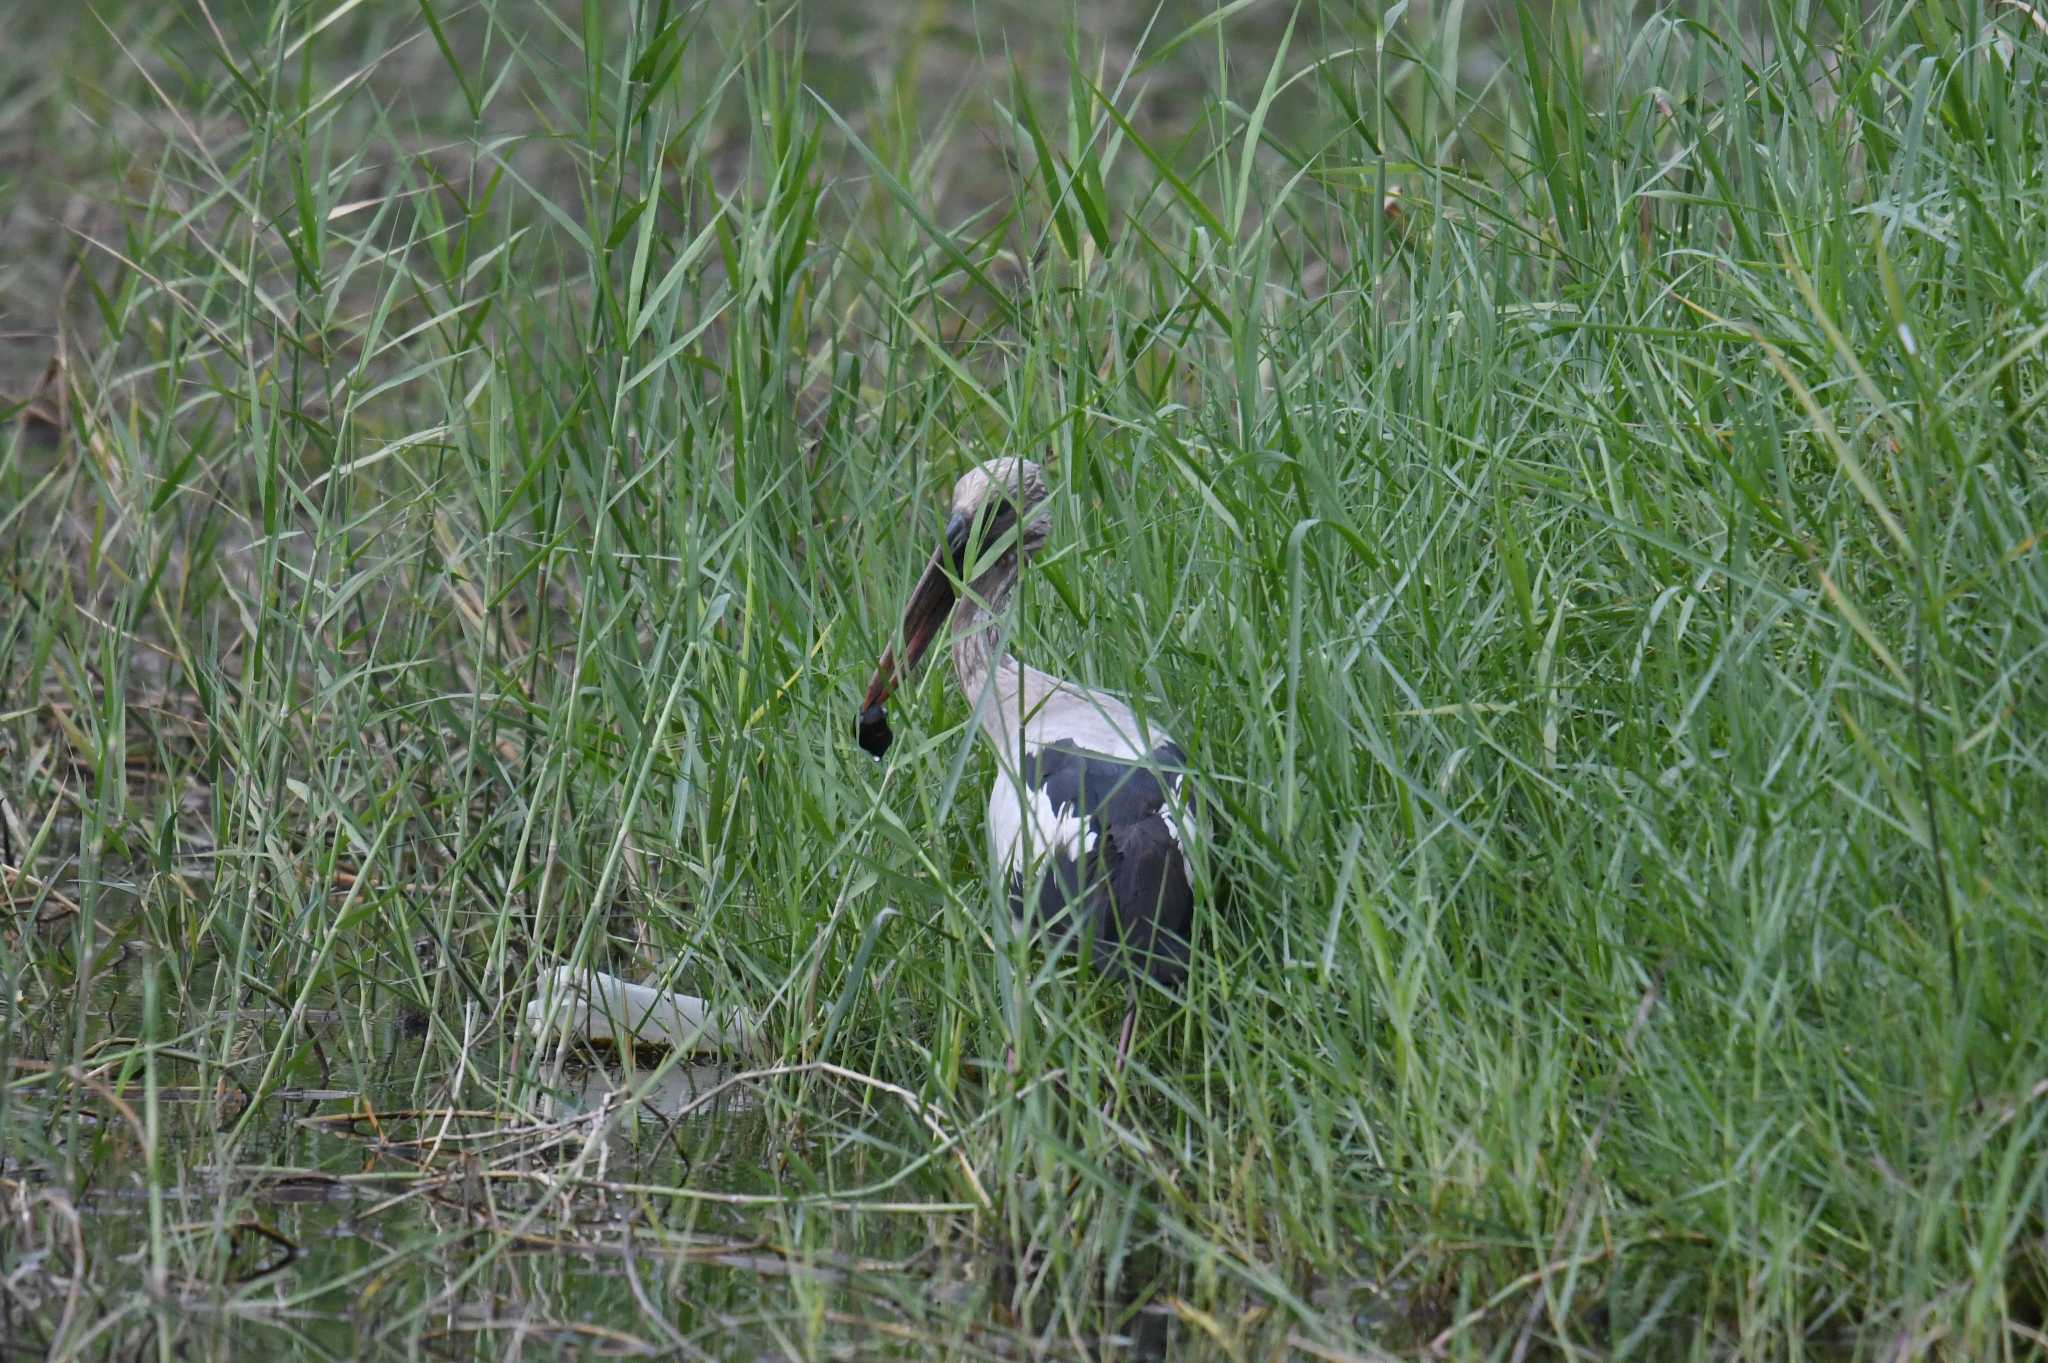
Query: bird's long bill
x=924, y=615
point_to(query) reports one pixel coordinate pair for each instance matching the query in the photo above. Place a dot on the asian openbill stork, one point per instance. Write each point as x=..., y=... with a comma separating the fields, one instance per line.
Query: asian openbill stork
x=1084, y=818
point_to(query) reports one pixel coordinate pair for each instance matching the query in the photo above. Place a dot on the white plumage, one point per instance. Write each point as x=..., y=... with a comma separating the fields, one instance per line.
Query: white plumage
x=1026, y=824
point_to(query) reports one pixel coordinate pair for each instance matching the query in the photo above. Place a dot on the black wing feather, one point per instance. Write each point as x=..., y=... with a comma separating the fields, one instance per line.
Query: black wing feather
x=1130, y=890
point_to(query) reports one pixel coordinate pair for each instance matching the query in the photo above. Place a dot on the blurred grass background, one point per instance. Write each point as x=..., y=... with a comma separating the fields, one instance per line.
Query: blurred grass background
x=1572, y=478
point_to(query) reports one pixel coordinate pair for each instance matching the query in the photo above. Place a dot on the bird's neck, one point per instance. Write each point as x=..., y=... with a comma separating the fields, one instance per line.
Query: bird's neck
x=1003, y=692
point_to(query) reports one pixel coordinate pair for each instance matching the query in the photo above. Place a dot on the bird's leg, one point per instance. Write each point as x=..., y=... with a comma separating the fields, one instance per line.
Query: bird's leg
x=1125, y=1034
x=1129, y=1031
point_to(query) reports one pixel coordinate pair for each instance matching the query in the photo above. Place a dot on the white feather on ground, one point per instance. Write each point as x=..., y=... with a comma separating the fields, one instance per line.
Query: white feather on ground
x=601, y=1007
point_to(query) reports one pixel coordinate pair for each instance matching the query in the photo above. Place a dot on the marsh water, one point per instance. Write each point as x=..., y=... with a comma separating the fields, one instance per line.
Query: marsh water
x=606, y=1205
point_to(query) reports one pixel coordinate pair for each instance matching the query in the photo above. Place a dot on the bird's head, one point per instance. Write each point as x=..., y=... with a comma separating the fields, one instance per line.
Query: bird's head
x=997, y=516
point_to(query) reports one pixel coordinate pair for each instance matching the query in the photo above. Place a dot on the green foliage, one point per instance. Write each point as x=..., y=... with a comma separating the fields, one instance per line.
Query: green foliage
x=1572, y=480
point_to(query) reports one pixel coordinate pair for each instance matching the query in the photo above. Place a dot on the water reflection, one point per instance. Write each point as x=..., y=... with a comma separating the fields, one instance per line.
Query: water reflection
x=396, y=1189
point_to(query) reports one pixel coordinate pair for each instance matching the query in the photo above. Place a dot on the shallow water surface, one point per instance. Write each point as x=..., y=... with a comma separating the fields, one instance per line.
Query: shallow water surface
x=389, y=1199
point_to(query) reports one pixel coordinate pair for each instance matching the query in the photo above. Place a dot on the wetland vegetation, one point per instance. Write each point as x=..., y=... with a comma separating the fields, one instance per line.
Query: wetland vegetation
x=1571, y=476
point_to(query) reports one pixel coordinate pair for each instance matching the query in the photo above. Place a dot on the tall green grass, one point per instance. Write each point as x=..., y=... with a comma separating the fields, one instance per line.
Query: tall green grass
x=1572, y=479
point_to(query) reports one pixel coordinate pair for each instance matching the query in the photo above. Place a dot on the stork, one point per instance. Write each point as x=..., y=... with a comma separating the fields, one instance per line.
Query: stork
x=1083, y=820
x=1084, y=816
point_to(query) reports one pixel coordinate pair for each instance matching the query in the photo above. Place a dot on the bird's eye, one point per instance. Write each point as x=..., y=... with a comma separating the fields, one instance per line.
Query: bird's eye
x=995, y=521
x=972, y=540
